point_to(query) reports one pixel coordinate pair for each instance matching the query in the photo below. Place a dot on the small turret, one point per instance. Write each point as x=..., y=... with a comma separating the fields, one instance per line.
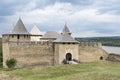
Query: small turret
x=66, y=30
x=65, y=36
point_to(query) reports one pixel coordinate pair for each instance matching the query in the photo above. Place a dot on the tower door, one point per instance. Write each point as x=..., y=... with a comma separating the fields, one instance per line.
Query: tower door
x=68, y=57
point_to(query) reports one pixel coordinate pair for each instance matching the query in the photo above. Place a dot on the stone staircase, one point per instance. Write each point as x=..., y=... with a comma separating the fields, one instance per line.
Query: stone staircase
x=72, y=62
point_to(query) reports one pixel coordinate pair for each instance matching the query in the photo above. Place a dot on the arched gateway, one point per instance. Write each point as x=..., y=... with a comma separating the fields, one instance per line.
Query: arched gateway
x=68, y=57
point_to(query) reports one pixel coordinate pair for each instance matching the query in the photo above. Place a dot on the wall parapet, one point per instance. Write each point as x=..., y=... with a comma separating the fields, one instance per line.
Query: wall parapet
x=30, y=43
x=90, y=44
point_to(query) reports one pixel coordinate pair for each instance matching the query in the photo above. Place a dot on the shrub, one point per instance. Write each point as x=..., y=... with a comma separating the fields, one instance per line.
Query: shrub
x=11, y=63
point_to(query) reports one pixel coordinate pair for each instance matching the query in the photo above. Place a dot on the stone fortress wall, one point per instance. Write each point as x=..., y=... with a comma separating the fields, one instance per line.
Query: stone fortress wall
x=31, y=53
x=91, y=53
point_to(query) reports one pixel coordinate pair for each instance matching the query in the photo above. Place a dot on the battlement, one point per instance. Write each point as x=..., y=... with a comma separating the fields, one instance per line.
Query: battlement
x=82, y=44
x=30, y=43
x=90, y=44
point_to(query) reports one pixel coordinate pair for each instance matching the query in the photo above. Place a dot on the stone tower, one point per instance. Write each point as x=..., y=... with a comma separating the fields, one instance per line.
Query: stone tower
x=66, y=47
x=19, y=33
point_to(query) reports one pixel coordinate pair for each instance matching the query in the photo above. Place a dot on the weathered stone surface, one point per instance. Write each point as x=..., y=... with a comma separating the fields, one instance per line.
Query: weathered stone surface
x=47, y=53
x=114, y=57
x=88, y=54
x=29, y=55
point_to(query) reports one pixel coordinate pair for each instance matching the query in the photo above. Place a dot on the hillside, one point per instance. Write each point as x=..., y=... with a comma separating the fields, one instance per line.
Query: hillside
x=85, y=71
x=106, y=41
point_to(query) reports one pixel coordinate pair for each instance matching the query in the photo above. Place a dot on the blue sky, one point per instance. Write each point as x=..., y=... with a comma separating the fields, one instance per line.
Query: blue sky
x=85, y=18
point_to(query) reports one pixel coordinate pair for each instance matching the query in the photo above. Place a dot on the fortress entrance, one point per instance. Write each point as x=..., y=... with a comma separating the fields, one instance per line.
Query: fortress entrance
x=68, y=57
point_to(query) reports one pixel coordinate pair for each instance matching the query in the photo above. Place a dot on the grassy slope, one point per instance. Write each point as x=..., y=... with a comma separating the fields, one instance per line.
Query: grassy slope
x=85, y=71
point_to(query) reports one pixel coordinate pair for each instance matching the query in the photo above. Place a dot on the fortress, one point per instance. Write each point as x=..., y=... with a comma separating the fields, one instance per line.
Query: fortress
x=51, y=48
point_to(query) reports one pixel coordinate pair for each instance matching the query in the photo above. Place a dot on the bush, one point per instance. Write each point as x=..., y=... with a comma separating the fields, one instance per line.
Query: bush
x=11, y=63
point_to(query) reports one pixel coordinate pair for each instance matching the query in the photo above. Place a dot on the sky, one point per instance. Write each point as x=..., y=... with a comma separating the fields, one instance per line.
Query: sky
x=84, y=18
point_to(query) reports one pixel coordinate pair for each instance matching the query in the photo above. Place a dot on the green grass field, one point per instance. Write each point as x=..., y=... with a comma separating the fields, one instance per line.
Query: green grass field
x=85, y=71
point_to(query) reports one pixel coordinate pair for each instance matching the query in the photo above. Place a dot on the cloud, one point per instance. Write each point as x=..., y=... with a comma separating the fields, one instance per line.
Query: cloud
x=79, y=2
x=88, y=17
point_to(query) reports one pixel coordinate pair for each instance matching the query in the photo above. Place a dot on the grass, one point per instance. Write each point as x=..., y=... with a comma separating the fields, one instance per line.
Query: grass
x=86, y=71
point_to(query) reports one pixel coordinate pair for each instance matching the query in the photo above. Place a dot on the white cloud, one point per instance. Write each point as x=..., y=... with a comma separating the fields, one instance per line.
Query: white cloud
x=56, y=15
x=65, y=11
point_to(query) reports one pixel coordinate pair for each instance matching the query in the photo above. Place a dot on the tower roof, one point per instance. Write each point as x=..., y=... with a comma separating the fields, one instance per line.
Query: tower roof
x=19, y=28
x=66, y=30
x=65, y=36
x=35, y=31
x=51, y=34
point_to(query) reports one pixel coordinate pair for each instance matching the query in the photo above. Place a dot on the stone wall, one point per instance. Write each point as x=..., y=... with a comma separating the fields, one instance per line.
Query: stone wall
x=29, y=54
x=7, y=37
x=35, y=37
x=91, y=53
x=6, y=54
x=90, y=44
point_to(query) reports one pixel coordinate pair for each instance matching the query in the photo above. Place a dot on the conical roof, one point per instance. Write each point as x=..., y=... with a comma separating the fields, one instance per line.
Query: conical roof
x=35, y=31
x=19, y=28
x=66, y=30
x=65, y=36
